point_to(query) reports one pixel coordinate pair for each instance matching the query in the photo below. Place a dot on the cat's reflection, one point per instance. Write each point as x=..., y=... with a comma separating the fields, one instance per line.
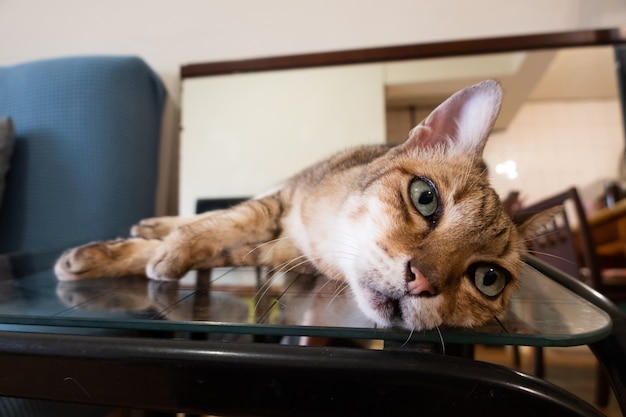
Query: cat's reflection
x=145, y=298
x=314, y=300
x=290, y=299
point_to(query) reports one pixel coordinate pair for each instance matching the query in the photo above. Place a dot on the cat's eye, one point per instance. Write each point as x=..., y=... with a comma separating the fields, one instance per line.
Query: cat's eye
x=424, y=196
x=489, y=279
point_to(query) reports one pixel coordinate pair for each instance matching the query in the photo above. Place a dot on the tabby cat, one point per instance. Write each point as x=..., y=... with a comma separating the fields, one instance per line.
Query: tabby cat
x=415, y=229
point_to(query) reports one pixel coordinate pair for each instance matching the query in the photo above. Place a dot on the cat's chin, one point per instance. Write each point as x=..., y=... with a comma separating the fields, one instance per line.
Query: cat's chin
x=409, y=311
x=421, y=312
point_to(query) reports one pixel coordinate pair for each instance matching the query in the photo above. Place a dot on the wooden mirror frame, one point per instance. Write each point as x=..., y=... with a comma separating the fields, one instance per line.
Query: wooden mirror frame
x=579, y=38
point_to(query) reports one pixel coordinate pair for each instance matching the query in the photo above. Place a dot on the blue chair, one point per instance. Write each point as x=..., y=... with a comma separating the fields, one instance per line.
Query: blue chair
x=84, y=165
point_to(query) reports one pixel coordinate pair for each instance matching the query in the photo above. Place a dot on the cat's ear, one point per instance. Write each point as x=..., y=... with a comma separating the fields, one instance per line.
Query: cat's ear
x=461, y=124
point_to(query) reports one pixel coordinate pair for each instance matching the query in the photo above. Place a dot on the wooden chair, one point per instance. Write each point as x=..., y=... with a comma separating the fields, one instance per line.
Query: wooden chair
x=566, y=243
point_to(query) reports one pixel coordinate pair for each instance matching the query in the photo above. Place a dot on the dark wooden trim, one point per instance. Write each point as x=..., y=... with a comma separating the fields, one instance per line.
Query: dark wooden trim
x=416, y=51
x=620, y=68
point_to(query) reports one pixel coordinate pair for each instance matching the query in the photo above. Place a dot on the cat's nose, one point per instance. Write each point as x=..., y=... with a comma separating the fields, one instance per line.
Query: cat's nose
x=418, y=284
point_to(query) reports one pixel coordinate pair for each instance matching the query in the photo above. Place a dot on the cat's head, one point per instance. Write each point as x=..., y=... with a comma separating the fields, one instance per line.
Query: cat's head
x=435, y=246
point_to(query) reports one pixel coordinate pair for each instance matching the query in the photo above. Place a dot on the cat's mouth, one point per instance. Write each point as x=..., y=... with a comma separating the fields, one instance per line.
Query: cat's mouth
x=390, y=302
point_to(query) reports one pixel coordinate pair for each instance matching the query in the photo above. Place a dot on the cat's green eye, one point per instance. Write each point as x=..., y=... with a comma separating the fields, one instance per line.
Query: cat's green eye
x=489, y=279
x=424, y=196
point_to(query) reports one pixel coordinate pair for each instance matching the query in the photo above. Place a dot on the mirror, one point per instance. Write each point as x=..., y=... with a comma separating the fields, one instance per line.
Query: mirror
x=560, y=123
x=249, y=124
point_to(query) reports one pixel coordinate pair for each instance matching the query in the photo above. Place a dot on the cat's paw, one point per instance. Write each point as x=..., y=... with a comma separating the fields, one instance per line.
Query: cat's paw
x=109, y=258
x=170, y=262
x=155, y=227
x=85, y=261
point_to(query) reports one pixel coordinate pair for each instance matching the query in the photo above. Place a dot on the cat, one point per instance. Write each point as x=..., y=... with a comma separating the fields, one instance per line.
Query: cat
x=415, y=230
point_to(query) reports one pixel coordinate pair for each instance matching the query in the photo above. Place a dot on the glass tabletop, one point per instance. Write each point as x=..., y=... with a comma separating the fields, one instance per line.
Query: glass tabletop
x=253, y=301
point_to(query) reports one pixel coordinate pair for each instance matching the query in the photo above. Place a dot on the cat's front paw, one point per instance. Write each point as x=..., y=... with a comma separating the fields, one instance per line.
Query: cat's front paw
x=81, y=262
x=108, y=258
x=169, y=263
x=155, y=227
x=84, y=261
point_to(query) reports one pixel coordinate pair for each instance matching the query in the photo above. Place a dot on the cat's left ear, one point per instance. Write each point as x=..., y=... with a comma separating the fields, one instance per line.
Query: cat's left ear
x=462, y=123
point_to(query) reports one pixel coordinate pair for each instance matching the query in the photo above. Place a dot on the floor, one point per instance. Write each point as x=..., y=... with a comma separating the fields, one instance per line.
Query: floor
x=571, y=368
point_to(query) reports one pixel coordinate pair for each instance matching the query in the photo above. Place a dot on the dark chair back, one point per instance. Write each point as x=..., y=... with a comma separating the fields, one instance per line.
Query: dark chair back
x=565, y=241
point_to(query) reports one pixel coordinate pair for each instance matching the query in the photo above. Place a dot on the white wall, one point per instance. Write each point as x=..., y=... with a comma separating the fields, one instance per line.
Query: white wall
x=170, y=33
x=244, y=133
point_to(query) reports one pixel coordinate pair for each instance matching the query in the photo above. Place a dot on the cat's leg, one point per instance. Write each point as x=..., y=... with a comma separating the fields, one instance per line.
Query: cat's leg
x=120, y=257
x=233, y=237
x=213, y=239
x=159, y=227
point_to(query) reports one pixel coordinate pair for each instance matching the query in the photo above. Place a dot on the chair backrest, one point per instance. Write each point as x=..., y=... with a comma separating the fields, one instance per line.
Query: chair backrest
x=565, y=240
x=85, y=162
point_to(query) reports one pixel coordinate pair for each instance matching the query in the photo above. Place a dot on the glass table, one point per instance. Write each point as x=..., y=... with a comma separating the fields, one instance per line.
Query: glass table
x=249, y=301
x=82, y=338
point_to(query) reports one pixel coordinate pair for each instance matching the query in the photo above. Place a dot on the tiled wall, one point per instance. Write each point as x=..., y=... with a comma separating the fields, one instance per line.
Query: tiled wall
x=557, y=144
x=554, y=145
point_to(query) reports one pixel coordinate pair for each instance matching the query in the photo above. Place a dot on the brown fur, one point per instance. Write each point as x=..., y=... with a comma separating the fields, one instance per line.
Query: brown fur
x=352, y=218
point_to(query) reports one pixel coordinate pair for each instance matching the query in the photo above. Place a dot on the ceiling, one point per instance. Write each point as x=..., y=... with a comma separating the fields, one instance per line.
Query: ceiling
x=573, y=73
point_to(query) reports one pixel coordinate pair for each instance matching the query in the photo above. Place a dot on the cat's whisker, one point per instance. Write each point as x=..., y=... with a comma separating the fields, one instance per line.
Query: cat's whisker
x=324, y=285
x=264, y=289
x=279, y=267
x=269, y=242
x=275, y=273
x=268, y=280
x=276, y=301
x=338, y=291
x=278, y=271
x=443, y=344
x=551, y=255
x=291, y=268
x=408, y=339
x=261, y=318
x=343, y=285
